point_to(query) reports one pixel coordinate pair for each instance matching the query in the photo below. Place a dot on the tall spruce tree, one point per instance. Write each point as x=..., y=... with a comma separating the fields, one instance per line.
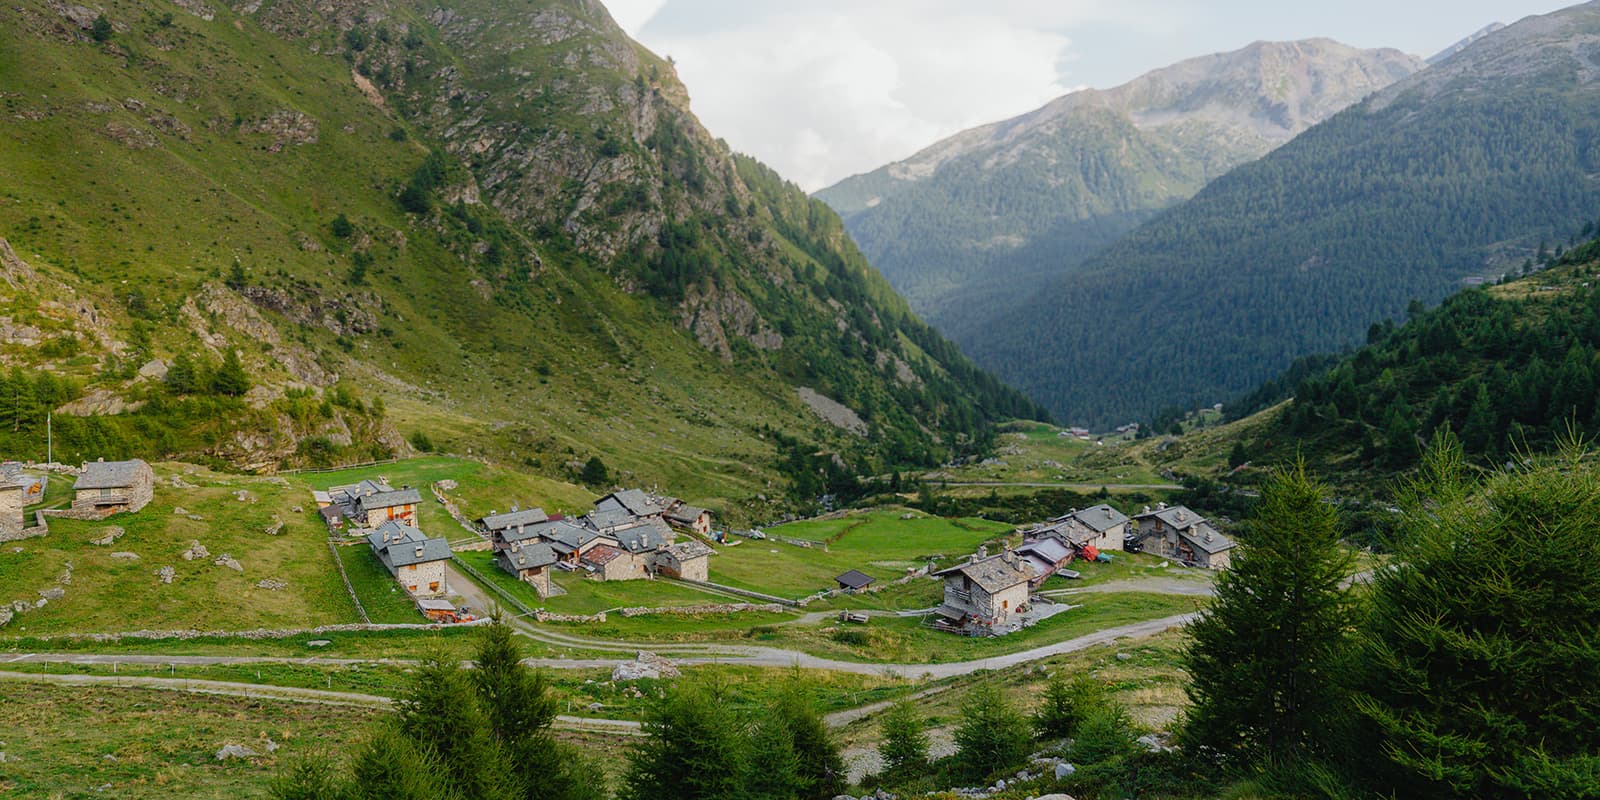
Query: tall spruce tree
x=1481, y=654
x=444, y=720
x=904, y=748
x=1261, y=659
x=694, y=749
x=993, y=734
x=821, y=769
x=520, y=710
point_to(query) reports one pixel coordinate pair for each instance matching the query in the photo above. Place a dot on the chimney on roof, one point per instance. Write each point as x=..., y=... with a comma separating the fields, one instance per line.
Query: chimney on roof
x=983, y=552
x=1146, y=509
x=1182, y=516
x=1208, y=536
x=1161, y=506
x=1108, y=512
x=100, y=460
x=419, y=551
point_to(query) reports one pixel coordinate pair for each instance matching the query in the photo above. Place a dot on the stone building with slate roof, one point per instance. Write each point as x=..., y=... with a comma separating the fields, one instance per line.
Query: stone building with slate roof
x=399, y=505
x=414, y=560
x=1180, y=534
x=689, y=560
x=530, y=563
x=985, y=593
x=110, y=487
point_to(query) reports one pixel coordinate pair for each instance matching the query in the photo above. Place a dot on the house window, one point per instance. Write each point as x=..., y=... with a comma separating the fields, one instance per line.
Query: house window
x=412, y=568
x=1005, y=605
x=433, y=587
x=108, y=492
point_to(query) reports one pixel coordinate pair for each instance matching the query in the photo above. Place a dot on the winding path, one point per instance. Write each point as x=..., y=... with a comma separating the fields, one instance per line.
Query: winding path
x=720, y=654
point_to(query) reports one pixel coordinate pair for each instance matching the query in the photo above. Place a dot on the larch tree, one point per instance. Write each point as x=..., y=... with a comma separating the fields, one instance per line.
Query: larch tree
x=1262, y=659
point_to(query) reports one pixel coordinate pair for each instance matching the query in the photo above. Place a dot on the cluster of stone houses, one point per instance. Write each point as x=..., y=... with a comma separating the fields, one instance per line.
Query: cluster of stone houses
x=990, y=593
x=629, y=535
x=389, y=515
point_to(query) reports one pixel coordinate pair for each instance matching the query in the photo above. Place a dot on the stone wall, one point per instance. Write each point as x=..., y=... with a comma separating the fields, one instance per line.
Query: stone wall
x=692, y=611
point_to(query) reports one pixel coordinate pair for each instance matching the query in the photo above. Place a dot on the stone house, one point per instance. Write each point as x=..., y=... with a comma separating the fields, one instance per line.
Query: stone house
x=12, y=519
x=110, y=487
x=690, y=560
x=414, y=560
x=985, y=592
x=530, y=563
x=1180, y=534
x=497, y=525
x=397, y=505
x=1101, y=526
x=608, y=563
x=689, y=518
x=1046, y=555
x=633, y=502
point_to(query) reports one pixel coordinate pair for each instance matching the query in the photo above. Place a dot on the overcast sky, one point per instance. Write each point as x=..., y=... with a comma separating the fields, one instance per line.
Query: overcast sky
x=823, y=89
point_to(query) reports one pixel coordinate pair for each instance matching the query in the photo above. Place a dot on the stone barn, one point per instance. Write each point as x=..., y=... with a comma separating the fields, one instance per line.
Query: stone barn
x=111, y=487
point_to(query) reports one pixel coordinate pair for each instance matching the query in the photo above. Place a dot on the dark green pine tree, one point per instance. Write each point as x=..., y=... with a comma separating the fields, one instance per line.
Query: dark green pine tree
x=992, y=736
x=520, y=709
x=694, y=749
x=389, y=766
x=1261, y=659
x=1480, y=433
x=821, y=769
x=773, y=769
x=1481, y=654
x=445, y=722
x=230, y=379
x=1066, y=704
x=904, y=748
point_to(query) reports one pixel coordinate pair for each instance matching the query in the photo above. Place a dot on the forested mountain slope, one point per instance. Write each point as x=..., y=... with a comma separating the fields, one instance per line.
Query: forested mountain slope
x=498, y=226
x=1456, y=172
x=986, y=218
x=1509, y=368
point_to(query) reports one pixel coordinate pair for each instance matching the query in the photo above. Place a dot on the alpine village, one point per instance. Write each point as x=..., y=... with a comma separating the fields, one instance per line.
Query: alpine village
x=418, y=401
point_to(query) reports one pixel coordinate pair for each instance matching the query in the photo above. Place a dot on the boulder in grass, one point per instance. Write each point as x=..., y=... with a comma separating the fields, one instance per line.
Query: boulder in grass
x=235, y=751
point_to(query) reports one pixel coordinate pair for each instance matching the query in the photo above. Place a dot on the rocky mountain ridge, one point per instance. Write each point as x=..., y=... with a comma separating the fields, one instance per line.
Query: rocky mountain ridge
x=983, y=217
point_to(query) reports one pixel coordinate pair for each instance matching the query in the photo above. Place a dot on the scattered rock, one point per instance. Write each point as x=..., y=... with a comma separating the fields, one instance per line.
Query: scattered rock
x=1123, y=656
x=196, y=551
x=447, y=485
x=226, y=560
x=166, y=574
x=180, y=510
x=274, y=529
x=297, y=510
x=235, y=751
x=271, y=584
x=244, y=496
x=1064, y=770
x=53, y=593
x=125, y=556
x=645, y=665
x=154, y=370
x=318, y=643
x=111, y=534
x=109, y=757
x=179, y=483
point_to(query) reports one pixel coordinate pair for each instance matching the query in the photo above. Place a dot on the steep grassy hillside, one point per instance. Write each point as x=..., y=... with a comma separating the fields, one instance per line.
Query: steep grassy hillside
x=983, y=220
x=1457, y=172
x=497, y=226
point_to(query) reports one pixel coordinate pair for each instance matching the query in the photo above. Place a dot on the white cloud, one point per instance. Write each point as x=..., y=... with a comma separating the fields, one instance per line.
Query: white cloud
x=633, y=15
x=825, y=89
